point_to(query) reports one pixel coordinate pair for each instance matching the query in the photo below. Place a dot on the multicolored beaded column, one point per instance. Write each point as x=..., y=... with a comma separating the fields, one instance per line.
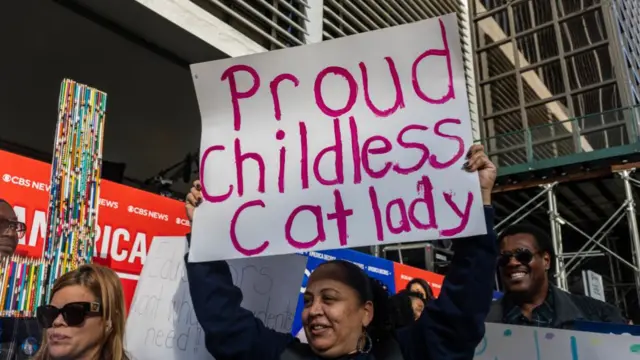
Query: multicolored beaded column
x=21, y=285
x=75, y=179
x=73, y=203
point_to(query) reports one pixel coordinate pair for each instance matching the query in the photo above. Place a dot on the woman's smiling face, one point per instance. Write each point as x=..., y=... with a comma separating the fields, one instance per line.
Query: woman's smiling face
x=334, y=315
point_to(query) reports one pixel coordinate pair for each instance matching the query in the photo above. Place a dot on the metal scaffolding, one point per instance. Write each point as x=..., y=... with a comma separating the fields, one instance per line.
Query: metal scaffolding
x=598, y=244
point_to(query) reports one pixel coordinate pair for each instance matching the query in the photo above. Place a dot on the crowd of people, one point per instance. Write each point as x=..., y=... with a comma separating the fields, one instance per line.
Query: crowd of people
x=347, y=314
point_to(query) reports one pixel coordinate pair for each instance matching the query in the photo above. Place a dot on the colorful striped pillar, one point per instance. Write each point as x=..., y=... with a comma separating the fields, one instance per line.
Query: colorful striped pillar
x=73, y=203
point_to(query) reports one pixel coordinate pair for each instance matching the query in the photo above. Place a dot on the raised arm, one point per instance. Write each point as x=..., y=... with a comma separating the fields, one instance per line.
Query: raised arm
x=231, y=332
x=451, y=326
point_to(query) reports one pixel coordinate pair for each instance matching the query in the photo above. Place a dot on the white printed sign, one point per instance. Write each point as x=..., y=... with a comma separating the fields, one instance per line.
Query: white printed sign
x=161, y=322
x=593, y=285
x=349, y=142
x=508, y=342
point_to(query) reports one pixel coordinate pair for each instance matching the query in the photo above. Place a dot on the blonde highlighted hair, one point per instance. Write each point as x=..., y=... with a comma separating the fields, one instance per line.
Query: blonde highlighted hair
x=105, y=285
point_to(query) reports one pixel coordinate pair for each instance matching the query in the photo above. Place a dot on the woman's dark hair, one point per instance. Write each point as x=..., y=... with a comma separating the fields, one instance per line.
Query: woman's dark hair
x=401, y=308
x=425, y=285
x=368, y=289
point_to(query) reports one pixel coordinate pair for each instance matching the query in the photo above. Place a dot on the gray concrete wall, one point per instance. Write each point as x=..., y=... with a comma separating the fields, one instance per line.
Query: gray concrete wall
x=152, y=117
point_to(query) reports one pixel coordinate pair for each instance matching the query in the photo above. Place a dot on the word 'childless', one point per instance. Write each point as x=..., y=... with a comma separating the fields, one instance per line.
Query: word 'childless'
x=359, y=151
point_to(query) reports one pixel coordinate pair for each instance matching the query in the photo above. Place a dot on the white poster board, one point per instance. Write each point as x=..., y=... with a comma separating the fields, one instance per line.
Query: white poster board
x=351, y=142
x=161, y=322
x=509, y=342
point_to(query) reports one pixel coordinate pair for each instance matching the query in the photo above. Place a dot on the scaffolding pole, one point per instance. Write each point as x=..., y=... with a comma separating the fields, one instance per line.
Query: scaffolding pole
x=618, y=276
x=567, y=263
x=556, y=237
x=612, y=273
x=633, y=223
x=375, y=250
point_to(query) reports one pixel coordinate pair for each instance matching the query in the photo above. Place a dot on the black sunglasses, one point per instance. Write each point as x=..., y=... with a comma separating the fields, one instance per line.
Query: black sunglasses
x=523, y=256
x=72, y=313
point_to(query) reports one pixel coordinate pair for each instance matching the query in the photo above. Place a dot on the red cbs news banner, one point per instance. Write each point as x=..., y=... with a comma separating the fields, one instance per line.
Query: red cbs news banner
x=128, y=218
x=404, y=273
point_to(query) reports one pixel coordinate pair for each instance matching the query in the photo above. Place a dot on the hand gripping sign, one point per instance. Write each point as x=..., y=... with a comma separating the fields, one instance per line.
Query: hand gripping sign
x=351, y=142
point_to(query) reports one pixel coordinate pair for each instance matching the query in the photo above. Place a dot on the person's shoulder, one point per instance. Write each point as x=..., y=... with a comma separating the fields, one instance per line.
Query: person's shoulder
x=495, y=311
x=587, y=301
x=596, y=309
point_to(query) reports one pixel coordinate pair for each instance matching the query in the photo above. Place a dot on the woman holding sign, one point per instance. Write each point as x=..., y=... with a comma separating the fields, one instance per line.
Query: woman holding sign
x=345, y=314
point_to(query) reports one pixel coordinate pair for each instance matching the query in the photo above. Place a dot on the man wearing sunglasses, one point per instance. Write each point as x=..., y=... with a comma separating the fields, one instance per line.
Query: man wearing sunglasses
x=525, y=262
x=10, y=229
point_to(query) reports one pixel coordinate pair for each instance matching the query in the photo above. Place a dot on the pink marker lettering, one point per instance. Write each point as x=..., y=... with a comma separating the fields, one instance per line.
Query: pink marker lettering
x=377, y=215
x=336, y=148
x=464, y=216
x=355, y=151
x=399, y=103
x=426, y=188
x=304, y=156
x=321, y=236
x=240, y=158
x=205, y=194
x=274, y=91
x=353, y=91
x=367, y=150
x=230, y=74
x=412, y=145
x=404, y=225
x=340, y=216
x=234, y=237
x=433, y=161
x=434, y=52
x=280, y=134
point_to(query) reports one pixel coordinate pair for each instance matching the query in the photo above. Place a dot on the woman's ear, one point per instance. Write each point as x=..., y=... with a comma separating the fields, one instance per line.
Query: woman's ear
x=368, y=313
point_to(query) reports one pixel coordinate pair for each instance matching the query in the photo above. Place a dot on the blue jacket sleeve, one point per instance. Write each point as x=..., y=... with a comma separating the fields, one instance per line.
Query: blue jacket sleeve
x=231, y=332
x=451, y=326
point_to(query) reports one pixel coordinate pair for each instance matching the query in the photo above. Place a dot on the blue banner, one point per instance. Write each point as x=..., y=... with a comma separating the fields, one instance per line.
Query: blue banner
x=377, y=268
x=606, y=328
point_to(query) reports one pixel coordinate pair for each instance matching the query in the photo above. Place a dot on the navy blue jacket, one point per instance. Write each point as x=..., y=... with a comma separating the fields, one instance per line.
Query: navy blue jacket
x=449, y=329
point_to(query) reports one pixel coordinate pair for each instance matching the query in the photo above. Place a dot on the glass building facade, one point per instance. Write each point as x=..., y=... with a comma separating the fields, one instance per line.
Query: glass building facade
x=540, y=63
x=627, y=17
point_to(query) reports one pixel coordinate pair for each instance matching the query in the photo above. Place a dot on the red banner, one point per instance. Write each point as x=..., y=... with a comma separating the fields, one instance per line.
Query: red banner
x=404, y=273
x=128, y=218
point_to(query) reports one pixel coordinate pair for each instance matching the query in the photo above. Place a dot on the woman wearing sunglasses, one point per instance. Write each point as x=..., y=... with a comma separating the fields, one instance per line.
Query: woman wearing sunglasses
x=86, y=317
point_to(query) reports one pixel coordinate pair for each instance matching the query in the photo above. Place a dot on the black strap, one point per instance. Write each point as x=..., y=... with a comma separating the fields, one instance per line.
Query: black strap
x=385, y=350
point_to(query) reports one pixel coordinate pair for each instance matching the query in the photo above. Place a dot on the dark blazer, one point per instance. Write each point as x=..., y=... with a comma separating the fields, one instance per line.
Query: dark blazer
x=568, y=308
x=449, y=328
